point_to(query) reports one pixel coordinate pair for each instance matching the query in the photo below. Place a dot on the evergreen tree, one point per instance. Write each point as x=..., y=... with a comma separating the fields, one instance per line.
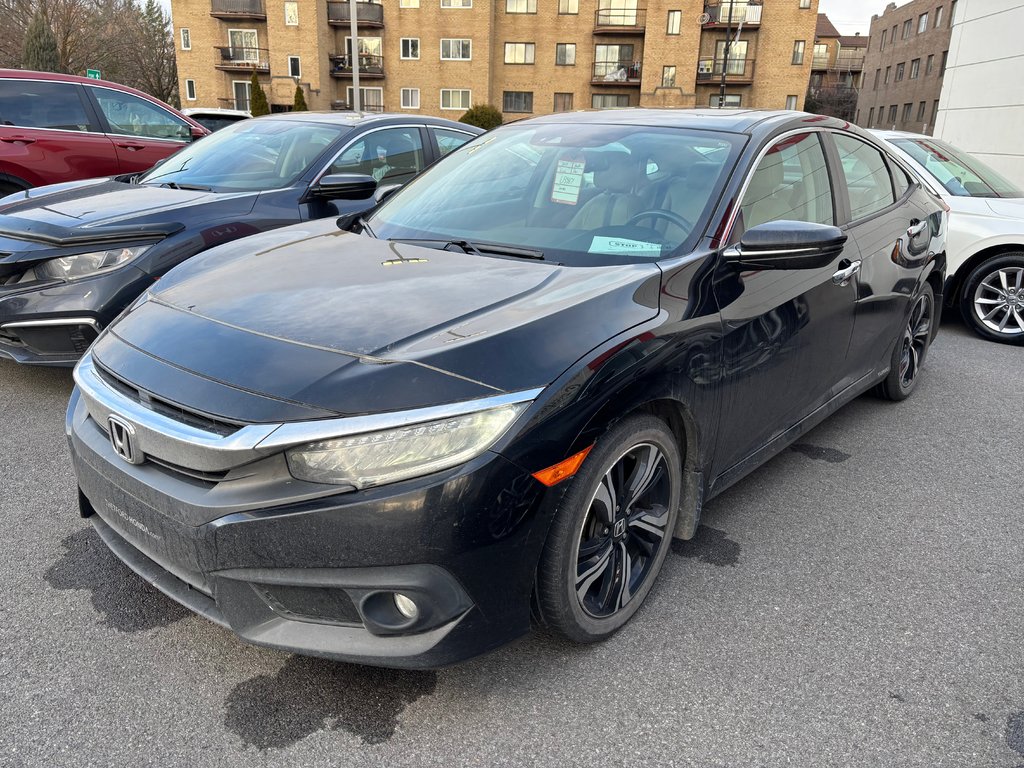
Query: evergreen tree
x=299, y=104
x=258, y=104
x=40, y=50
x=483, y=116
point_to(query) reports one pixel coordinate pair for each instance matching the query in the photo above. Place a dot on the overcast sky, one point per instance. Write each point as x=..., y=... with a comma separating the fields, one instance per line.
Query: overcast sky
x=853, y=16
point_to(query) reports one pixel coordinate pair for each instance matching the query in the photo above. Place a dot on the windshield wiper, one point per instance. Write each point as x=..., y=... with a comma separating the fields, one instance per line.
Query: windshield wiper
x=475, y=247
x=190, y=187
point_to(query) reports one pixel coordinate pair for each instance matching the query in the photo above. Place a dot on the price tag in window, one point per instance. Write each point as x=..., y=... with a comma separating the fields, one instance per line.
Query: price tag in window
x=565, y=187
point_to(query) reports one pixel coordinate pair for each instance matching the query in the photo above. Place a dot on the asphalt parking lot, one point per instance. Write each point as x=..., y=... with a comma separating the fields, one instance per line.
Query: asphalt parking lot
x=857, y=601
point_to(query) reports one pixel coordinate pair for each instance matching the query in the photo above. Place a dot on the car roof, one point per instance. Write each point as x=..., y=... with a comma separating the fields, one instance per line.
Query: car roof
x=215, y=112
x=730, y=120
x=353, y=119
x=899, y=134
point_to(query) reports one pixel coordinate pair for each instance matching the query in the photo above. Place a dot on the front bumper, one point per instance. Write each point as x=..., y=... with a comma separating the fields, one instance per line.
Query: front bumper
x=318, y=576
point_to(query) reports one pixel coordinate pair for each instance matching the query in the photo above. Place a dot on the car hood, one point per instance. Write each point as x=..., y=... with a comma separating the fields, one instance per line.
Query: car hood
x=107, y=209
x=323, y=322
x=1009, y=207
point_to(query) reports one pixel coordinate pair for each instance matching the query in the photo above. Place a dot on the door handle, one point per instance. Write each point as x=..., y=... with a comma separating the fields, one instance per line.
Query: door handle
x=916, y=229
x=18, y=140
x=131, y=147
x=842, y=277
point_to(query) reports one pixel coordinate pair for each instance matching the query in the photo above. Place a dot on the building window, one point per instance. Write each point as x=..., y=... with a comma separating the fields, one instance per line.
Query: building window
x=929, y=64
x=410, y=48
x=568, y=7
x=881, y=45
x=791, y=102
x=871, y=116
x=915, y=69
x=888, y=71
x=942, y=66
x=952, y=18
x=291, y=13
x=878, y=74
x=608, y=100
x=922, y=23
x=456, y=3
x=892, y=35
x=563, y=102
x=408, y=3
x=908, y=112
x=730, y=100
x=370, y=99
x=186, y=39
x=798, y=52
x=804, y=4
x=452, y=98
x=820, y=58
x=520, y=6
x=294, y=67
x=668, y=77
x=893, y=110
x=519, y=53
x=938, y=16
x=410, y=98
x=240, y=90
x=456, y=49
x=190, y=90
x=908, y=28
x=565, y=54
x=517, y=101
x=935, y=105
x=675, y=19
x=900, y=69
x=920, y=110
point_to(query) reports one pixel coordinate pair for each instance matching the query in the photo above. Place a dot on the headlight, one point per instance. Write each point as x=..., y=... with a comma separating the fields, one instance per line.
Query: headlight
x=87, y=264
x=378, y=458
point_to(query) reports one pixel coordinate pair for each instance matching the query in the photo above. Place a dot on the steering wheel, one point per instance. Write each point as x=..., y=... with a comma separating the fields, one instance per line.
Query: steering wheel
x=657, y=213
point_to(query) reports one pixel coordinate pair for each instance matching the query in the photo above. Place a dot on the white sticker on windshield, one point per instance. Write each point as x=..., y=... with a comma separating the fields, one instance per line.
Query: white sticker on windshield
x=565, y=187
x=619, y=245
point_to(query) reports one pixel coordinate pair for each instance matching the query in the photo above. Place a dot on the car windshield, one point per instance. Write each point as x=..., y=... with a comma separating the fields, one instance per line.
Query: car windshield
x=961, y=174
x=575, y=194
x=248, y=156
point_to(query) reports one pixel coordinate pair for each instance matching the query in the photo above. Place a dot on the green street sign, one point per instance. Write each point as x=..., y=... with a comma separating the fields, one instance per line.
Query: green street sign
x=93, y=73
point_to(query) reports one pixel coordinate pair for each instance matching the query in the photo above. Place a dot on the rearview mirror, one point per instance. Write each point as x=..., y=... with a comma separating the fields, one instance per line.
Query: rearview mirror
x=787, y=245
x=344, y=186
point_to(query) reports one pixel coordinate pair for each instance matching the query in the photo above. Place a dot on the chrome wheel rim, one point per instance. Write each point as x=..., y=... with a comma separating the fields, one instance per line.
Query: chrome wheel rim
x=999, y=301
x=915, y=340
x=623, y=532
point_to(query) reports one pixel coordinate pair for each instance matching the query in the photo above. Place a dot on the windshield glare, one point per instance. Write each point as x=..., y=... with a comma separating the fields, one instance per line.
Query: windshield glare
x=961, y=174
x=248, y=156
x=579, y=194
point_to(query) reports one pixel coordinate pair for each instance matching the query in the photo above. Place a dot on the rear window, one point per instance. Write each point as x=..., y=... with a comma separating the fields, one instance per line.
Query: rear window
x=961, y=174
x=42, y=104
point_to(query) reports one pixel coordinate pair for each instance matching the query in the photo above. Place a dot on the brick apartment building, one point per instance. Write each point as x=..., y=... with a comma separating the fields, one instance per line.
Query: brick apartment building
x=523, y=56
x=837, y=67
x=903, y=69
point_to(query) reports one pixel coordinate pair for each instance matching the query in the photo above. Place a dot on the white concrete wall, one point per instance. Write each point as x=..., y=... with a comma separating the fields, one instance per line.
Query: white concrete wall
x=981, y=109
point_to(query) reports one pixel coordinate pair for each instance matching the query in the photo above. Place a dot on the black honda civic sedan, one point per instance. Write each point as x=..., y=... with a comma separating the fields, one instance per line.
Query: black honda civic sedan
x=495, y=400
x=73, y=256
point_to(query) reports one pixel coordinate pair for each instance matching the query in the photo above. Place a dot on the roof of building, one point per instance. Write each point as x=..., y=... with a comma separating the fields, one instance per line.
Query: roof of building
x=854, y=41
x=825, y=27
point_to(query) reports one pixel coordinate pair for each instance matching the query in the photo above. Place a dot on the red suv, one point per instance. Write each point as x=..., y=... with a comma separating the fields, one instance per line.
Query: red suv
x=57, y=128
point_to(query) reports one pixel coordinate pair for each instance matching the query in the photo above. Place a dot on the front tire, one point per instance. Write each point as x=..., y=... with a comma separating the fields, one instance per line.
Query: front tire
x=611, y=532
x=909, y=354
x=992, y=300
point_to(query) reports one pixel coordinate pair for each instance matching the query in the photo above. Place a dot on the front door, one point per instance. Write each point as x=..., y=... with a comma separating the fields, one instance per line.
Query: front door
x=786, y=332
x=142, y=132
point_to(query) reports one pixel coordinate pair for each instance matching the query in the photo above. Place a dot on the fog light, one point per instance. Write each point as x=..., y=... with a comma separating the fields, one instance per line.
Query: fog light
x=406, y=606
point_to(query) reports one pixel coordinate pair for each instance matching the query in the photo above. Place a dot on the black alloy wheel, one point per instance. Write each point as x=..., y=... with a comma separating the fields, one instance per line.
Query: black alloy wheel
x=612, y=531
x=912, y=348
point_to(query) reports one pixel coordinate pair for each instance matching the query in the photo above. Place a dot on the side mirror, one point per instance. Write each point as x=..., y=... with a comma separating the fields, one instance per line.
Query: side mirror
x=344, y=186
x=787, y=245
x=196, y=133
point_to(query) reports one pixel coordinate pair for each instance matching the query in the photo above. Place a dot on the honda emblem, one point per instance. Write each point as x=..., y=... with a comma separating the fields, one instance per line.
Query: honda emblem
x=122, y=438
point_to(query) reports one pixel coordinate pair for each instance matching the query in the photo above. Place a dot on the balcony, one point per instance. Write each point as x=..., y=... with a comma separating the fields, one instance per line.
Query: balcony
x=344, y=106
x=718, y=14
x=243, y=59
x=370, y=67
x=620, y=21
x=368, y=14
x=819, y=62
x=238, y=10
x=616, y=73
x=738, y=71
x=849, y=61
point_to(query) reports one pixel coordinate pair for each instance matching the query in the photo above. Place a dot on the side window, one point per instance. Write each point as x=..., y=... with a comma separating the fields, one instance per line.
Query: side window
x=867, y=178
x=791, y=182
x=393, y=155
x=900, y=180
x=132, y=116
x=448, y=141
x=42, y=104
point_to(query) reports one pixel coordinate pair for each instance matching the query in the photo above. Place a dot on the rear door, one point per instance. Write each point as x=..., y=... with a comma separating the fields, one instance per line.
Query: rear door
x=786, y=331
x=48, y=134
x=142, y=132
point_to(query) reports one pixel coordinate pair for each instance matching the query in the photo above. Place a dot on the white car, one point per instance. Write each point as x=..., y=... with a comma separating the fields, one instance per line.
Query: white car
x=985, y=240
x=215, y=118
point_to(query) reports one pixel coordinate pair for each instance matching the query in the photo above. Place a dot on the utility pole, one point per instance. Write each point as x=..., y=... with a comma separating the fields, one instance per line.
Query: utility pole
x=353, y=54
x=725, y=60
